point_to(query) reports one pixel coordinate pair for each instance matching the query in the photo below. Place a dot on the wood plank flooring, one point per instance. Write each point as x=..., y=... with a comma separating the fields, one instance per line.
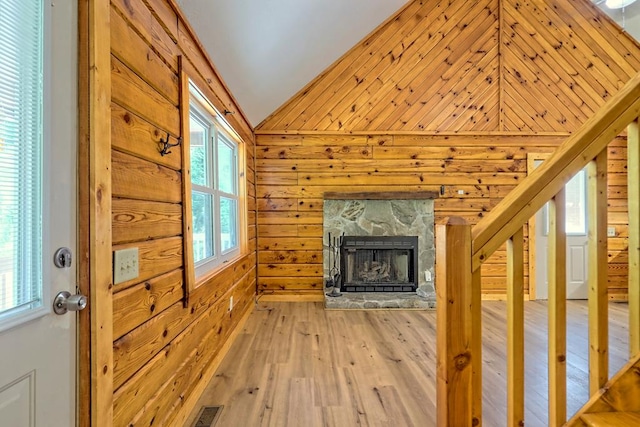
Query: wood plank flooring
x=296, y=364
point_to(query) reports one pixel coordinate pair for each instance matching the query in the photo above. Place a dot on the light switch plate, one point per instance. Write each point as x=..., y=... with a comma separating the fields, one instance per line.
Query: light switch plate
x=125, y=265
x=611, y=231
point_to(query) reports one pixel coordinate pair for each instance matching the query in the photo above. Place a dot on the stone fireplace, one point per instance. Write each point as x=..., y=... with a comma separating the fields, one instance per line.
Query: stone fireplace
x=379, y=263
x=385, y=252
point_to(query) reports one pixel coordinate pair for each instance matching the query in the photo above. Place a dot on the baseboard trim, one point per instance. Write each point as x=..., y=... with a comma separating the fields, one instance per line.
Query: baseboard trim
x=189, y=405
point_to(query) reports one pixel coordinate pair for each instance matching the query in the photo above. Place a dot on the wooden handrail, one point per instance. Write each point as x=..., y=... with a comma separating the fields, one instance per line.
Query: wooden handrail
x=461, y=250
x=547, y=180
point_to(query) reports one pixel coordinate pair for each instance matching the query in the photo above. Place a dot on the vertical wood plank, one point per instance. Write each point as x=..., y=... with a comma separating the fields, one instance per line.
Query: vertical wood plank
x=515, y=329
x=101, y=302
x=84, y=236
x=597, y=278
x=476, y=347
x=187, y=237
x=633, y=182
x=453, y=295
x=557, y=280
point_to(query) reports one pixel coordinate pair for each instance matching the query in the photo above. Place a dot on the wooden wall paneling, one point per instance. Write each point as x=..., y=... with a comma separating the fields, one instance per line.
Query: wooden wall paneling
x=606, y=66
x=149, y=318
x=95, y=96
x=545, y=44
x=484, y=157
x=136, y=95
x=137, y=305
x=443, y=53
x=199, y=375
x=383, y=79
x=145, y=23
x=135, y=178
x=471, y=114
x=572, y=72
x=606, y=43
x=534, y=75
x=290, y=285
x=131, y=134
x=469, y=83
x=190, y=375
x=135, y=220
x=165, y=13
x=134, y=350
x=155, y=257
x=290, y=257
x=134, y=394
x=133, y=50
x=289, y=270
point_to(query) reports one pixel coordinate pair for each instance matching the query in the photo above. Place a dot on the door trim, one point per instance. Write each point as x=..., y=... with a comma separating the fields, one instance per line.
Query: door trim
x=95, y=359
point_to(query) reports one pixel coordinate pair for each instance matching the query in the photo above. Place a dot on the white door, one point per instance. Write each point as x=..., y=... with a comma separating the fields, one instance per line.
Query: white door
x=576, y=228
x=37, y=210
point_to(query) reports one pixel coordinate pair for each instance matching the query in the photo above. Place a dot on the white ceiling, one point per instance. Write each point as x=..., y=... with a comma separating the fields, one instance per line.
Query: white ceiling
x=267, y=50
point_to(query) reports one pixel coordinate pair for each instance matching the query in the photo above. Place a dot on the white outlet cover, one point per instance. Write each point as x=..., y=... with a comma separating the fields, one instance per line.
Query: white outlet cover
x=611, y=231
x=125, y=265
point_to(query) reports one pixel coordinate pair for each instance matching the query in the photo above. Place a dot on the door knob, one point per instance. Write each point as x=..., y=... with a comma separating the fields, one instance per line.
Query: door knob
x=64, y=302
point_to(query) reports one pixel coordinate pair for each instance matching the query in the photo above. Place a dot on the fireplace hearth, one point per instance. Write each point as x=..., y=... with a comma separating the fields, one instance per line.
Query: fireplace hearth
x=379, y=263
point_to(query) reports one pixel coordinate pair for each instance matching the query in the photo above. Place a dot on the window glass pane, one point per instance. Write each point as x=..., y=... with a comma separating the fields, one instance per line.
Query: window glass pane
x=226, y=166
x=21, y=110
x=228, y=223
x=198, y=134
x=202, y=208
x=575, y=190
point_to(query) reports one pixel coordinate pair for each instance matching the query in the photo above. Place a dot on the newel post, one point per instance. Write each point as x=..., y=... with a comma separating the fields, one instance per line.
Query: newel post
x=454, y=323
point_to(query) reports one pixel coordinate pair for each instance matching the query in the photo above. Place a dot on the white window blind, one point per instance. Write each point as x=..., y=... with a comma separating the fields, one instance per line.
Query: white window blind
x=21, y=140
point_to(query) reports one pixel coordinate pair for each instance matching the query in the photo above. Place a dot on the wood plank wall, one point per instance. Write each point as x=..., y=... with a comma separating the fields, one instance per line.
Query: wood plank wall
x=161, y=348
x=444, y=93
x=294, y=171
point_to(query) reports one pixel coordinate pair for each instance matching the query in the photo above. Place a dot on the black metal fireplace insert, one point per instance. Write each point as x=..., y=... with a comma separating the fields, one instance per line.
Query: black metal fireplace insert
x=379, y=264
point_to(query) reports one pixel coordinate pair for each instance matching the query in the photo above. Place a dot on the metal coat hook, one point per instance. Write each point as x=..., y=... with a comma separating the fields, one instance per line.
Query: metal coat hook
x=228, y=112
x=166, y=145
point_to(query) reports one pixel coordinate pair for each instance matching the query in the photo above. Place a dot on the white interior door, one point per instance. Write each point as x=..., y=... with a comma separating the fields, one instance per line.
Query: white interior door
x=38, y=137
x=576, y=228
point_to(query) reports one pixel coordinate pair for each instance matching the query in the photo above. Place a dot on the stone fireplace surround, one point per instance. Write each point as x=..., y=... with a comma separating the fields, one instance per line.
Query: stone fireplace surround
x=383, y=214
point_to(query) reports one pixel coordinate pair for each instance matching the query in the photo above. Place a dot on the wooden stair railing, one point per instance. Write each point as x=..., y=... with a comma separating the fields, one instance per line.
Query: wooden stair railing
x=461, y=250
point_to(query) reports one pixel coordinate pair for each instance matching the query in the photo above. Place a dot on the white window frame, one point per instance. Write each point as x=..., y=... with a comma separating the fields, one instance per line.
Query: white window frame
x=219, y=131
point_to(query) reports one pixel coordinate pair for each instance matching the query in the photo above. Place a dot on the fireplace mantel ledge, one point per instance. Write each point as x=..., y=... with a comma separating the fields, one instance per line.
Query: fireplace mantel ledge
x=382, y=195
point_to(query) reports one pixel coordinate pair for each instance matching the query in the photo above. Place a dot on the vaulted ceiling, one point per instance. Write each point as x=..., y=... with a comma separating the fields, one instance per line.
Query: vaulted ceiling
x=267, y=50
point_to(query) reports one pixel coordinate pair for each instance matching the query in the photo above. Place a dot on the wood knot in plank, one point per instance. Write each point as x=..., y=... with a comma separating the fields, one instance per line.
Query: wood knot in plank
x=461, y=361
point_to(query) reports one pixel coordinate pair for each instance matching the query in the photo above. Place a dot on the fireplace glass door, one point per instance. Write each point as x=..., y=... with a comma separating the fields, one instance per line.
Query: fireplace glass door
x=379, y=264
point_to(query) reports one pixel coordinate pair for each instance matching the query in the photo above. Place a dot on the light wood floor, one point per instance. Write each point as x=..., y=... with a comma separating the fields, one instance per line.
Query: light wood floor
x=295, y=364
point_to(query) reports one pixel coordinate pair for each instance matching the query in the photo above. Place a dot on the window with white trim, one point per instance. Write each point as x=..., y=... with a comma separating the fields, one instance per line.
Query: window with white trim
x=215, y=195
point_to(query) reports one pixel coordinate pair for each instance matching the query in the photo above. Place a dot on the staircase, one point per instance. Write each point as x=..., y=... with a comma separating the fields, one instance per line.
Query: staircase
x=617, y=403
x=461, y=250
